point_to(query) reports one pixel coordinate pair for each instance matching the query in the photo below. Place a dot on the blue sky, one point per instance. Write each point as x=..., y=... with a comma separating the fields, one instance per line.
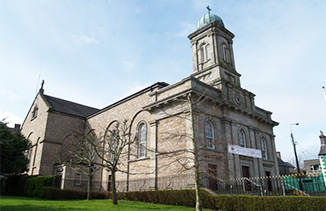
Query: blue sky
x=97, y=52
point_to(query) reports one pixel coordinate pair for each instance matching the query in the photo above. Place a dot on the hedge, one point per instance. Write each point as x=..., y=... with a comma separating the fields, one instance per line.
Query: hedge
x=210, y=201
x=24, y=185
x=14, y=185
x=34, y=186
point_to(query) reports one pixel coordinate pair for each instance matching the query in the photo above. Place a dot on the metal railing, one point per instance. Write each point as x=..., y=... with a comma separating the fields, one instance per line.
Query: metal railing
x=313, y=185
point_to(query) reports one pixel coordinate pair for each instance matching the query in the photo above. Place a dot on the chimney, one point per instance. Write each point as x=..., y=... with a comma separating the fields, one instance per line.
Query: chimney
x=278, y=154
x=17, y=128
x=322, y=144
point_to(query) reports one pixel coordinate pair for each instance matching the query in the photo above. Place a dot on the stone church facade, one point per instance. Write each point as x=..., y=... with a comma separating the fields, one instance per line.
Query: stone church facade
x=233, y=137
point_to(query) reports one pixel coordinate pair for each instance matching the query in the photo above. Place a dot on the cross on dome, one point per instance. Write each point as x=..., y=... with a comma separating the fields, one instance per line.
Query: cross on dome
x=209, y=9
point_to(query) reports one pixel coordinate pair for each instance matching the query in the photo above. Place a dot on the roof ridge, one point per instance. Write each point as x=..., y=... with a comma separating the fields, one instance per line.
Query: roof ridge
x=69, y=107
x=69, y=101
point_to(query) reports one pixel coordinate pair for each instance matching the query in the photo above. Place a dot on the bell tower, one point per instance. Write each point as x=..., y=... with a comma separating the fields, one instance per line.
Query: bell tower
x=212, y=52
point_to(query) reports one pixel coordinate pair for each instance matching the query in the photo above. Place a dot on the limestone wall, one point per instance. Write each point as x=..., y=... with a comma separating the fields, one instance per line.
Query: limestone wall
x=57, y=128
x=34, y=130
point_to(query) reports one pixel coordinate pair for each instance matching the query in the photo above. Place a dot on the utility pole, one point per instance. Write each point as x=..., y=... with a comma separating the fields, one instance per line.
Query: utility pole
x=324, y=91
x=296, y=157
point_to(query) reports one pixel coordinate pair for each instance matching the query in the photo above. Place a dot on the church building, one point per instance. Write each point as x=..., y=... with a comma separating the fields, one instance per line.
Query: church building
x=207, y=114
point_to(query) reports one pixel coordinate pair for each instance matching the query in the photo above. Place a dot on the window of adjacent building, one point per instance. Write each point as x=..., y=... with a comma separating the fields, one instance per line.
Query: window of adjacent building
x=242, y=138
x=34, y=112
x=203, y=53
x=209, y=135
x=142, y=140
x=315, y=167
x=264, y=148
x=78, y=178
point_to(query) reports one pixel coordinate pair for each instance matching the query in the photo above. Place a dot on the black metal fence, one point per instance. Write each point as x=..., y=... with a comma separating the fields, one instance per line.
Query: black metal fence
x=310, y=185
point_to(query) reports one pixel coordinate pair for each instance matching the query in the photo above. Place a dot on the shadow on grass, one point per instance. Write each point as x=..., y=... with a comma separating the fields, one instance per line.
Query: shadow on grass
x=34, y=208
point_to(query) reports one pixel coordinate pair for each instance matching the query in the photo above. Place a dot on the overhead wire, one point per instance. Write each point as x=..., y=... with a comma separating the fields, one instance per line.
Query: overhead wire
x=305, y=150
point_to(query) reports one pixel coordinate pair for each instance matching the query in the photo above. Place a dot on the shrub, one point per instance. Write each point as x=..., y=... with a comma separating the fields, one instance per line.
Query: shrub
x=14, y=185
x=34, y=186
x=210, y=201
x=228, y=202
x=24, y=185
x=171, y=197
x=58, y=194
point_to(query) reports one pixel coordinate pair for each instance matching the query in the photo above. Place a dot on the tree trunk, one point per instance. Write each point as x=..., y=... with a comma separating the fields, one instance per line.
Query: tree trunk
x=114, y=191
x=197, y=179
x=197, y=187
x=89, y=184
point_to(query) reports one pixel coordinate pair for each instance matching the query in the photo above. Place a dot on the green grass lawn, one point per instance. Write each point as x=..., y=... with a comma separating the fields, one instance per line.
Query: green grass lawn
x=32, y=204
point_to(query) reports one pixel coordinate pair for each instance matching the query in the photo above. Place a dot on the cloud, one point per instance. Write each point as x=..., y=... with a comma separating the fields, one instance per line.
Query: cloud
x=186, y=29
x=128, y=65
x=101, y=30
x=134, y=87
x=81, y=40
x=8, y=95
x=10, y=119
x=201, y=5
x=140, y=10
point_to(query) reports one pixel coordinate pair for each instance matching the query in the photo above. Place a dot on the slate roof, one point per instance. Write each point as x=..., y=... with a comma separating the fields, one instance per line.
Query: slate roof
x=282, y=163
x=158, y=84
x=68, y=107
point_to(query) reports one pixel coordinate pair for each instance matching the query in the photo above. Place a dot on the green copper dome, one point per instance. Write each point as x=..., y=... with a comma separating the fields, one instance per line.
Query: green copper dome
x=208, y=18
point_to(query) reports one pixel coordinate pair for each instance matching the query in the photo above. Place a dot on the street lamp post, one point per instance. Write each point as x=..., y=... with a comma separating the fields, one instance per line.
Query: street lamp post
x=295, y=154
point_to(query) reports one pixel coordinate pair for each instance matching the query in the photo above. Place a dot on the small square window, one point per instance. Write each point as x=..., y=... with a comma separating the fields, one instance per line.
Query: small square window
x=78, y=178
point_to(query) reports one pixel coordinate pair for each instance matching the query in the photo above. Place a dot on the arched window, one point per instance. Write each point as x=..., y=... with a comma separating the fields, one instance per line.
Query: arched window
x=242, y=138
x=225, y=53
x=142, y=140
x=263, y=148
x=114, y=138
x=29, y=153
x=209, y=135
x=203, y=53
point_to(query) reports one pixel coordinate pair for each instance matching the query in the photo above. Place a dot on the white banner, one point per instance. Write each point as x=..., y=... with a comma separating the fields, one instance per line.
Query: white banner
x=235, y=149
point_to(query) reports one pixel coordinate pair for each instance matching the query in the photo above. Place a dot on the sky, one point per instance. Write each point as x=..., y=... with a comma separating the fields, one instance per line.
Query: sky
x=98, y=52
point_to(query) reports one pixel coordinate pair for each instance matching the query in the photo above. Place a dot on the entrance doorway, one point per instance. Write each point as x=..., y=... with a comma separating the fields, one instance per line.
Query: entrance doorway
x=246, y=174
x=268, y=180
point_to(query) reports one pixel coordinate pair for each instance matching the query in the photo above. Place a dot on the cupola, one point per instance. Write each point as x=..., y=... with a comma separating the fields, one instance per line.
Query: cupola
x=208, y=18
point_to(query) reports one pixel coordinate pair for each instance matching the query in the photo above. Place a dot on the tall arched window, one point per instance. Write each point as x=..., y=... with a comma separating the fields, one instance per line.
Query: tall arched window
x=114, y=138
x=264, y=148
x=29, y=153
x=209, y=135
x=242, y=138
x=225, y=53
x=203, y=53
x=142, y=140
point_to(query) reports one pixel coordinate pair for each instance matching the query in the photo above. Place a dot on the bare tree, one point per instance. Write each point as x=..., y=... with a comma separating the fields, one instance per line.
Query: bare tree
x=301, y=163
x=79, y=153
x=195, y=154
x=187, y=157
x=112, y=150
